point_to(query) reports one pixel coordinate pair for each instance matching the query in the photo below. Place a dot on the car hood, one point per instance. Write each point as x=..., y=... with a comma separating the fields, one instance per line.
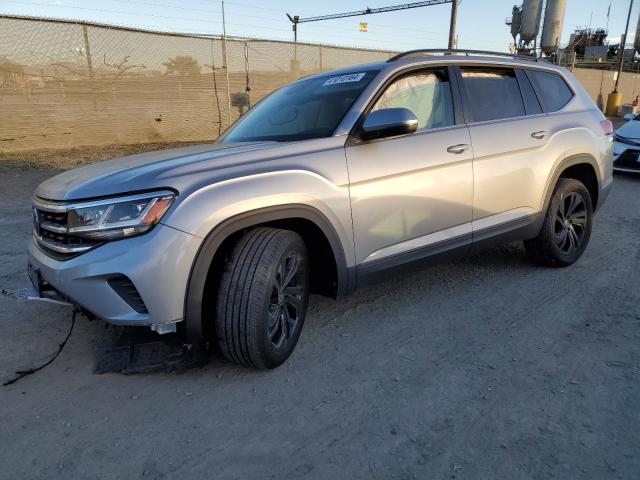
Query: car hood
x=630, y=130
x=148, y=170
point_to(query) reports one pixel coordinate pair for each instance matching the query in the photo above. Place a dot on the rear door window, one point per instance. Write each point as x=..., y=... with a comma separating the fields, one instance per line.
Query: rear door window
x=492, y=93
x=552, y=90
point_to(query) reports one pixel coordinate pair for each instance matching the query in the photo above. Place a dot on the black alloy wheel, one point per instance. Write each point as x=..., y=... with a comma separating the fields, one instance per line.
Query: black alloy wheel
x=570, y=223
x=286, y=303
x=566, y=228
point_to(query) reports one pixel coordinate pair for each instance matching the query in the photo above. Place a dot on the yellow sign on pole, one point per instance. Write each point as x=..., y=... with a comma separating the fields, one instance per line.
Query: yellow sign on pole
x=363, y=26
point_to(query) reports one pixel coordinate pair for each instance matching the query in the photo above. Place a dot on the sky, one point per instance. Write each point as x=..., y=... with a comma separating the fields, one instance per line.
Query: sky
x=480, y=22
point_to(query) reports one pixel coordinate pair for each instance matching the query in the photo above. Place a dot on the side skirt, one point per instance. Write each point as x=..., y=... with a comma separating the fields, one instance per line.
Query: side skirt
x=386, y=268
x=454, y=249
x=513, y=231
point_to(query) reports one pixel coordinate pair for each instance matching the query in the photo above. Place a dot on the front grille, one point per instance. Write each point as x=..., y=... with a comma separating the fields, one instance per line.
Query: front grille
x=628, y=159
x=125, y=288
x=51, y=232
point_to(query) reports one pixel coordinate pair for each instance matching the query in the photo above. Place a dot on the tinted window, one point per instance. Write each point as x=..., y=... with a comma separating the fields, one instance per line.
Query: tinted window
x=551, y=88
x=492, y=93
x=531, y=103
x=426, y=94
x=305, y=109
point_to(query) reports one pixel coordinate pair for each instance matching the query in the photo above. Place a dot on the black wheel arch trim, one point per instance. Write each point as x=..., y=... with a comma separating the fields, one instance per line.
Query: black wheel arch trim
x=565, y=164
x=212, y=242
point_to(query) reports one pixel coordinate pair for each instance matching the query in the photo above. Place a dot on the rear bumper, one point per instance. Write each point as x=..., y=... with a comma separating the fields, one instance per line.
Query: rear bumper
x=157, y=263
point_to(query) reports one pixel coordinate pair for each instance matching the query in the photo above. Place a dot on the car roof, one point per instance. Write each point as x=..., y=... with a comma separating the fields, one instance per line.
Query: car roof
x=498, y=59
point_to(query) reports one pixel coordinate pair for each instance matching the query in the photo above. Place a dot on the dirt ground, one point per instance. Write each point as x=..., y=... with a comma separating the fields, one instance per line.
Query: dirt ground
x=59, y=159
x=488, y=368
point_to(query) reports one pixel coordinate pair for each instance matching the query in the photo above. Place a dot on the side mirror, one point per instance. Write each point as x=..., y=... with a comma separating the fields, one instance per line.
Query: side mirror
x=629, y=116
x=388, y=122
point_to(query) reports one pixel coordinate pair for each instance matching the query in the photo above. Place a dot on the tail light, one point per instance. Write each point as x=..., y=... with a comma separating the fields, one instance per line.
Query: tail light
x=607, y=127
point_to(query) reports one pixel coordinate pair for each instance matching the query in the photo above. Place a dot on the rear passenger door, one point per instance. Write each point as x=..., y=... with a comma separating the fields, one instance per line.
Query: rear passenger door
x=509, y=133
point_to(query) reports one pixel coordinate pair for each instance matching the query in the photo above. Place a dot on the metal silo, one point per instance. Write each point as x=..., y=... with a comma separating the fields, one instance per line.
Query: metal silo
x=636, y=41
x=552, y=26
x=530, y=21
x=516, y=20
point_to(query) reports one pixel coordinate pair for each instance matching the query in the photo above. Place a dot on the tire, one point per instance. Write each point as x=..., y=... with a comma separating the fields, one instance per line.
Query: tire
x=567, y=226
x=259, y=311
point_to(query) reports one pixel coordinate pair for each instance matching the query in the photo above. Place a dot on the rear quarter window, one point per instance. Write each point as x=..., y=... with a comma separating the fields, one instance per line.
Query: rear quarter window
x=552, y=90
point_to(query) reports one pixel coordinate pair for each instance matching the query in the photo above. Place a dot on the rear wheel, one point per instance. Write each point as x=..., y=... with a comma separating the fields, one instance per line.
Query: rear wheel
x=262, y=299
x=567, y=226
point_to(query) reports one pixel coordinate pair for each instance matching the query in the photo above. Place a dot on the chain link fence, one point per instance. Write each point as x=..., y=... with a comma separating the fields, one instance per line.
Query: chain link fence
x=66, y=84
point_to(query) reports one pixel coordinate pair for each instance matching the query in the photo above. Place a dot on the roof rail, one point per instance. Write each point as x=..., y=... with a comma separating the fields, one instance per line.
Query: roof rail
x=434, y=51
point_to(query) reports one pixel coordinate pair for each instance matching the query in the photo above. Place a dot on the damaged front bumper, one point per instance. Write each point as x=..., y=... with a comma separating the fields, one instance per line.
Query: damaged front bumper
x=139, y=281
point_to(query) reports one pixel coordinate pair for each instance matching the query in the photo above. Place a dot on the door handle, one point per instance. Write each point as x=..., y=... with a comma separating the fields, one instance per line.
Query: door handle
x=458, y=149
x=539, y=135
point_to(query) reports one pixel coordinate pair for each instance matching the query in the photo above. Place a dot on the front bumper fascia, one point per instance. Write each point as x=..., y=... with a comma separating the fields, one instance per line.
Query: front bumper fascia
x=157, y=263
x=626, y=158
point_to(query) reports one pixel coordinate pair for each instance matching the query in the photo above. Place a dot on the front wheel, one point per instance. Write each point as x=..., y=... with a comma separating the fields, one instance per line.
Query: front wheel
x=262, y=299
x=567, y=225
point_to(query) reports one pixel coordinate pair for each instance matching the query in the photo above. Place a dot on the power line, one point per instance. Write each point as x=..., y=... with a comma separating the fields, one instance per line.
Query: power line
x=137, y=2
x=371, y=37
x=370, y=11
x=233, y=13
x=164, y=5
x=376, y=24
x=295, y=19
x=242, y=25
x=103, y=10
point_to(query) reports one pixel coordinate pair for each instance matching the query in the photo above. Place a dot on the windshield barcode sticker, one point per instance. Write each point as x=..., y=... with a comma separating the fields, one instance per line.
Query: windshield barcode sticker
x=350, y=77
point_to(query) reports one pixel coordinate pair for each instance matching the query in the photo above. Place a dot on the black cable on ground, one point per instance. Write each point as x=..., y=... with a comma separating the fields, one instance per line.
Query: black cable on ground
x=24, y=373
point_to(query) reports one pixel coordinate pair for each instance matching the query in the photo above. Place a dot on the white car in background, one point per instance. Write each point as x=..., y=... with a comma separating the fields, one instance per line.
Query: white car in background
x=626, y=145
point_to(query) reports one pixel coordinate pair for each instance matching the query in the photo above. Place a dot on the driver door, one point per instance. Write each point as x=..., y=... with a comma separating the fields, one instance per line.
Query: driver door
x=412, y=195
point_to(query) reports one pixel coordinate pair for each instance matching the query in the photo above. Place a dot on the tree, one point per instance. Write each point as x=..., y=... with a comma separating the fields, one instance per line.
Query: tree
x=10, y=72
x=123, y=66
x=182, y=65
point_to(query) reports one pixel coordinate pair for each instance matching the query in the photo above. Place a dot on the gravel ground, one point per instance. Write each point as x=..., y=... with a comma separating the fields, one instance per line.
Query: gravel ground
x=489, y=368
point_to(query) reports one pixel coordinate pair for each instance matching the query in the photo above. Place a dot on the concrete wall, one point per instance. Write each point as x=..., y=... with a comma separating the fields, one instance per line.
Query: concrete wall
x=599, y=84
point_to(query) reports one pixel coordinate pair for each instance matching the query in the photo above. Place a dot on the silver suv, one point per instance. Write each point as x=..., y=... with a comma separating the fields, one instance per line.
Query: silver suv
x=327, y=184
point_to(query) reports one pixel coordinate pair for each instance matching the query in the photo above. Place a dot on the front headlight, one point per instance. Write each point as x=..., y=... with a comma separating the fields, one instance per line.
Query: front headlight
x=116, y=218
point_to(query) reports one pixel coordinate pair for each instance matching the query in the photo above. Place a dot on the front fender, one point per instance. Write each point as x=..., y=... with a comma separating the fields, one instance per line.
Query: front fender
x=220, y=209
x=203, y=210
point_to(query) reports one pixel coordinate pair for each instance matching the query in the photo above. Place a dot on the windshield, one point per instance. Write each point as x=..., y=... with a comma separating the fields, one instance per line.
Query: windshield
x=303, y=110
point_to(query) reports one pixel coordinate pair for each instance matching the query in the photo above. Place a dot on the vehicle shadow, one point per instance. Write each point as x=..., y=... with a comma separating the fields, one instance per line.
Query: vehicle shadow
x=327, y=317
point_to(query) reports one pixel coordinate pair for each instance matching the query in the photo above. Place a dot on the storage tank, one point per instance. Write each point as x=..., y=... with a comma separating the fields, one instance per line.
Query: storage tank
x=552, y=26
x=516, y=18
x=530, y=21
x=636, y=41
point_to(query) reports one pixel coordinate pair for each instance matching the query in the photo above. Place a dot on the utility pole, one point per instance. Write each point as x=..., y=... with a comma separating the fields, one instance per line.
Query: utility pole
x=452, y=25
x=614, y=99
x=226, y=63
x=623, y=41
x=295, y=67
x=87, y=50
x=294, y=20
